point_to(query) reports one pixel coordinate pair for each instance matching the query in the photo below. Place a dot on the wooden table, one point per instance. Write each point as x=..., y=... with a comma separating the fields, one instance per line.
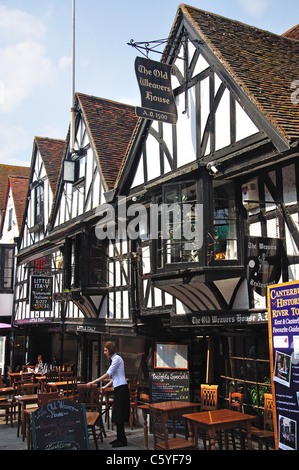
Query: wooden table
x=55, y=385
x=23, y=401
x=171, y=408
x=219, y=420
x=6, y=391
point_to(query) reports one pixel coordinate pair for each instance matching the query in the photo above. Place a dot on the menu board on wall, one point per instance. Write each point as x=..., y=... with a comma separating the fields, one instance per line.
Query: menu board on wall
x=283, y=319
x=60, y=425
x=167, y=386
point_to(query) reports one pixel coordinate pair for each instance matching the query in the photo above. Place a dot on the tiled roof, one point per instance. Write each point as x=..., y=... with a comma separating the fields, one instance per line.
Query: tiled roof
x=110, y=125
x=19, y=189
x=5, y=172
x=292, y=33
x=52, y=152
x=263, y=64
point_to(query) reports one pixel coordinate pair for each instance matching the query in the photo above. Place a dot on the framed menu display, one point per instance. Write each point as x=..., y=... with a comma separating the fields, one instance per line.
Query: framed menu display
x=171, y=356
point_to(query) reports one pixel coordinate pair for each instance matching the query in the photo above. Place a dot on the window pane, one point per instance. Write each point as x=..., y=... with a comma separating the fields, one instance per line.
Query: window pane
x=225, y=223
x=179, y=225
x=8, y=268
x=39, y=204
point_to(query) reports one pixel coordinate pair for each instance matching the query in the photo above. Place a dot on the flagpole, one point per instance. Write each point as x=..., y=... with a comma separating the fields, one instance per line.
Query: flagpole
x=72, y=129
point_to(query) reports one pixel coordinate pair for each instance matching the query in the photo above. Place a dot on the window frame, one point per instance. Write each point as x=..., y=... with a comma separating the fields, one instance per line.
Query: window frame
x=3, y=268
x=39, y=204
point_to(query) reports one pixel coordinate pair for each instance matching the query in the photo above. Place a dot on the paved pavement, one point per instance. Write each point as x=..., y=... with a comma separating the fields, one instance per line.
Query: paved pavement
x=135, y=437
x=10, y=442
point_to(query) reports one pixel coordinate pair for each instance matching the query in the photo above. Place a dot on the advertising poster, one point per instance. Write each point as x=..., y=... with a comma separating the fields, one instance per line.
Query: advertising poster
x=283, y=319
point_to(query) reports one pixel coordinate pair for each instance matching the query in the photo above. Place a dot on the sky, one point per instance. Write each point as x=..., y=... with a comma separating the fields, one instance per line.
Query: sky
x=36, y=47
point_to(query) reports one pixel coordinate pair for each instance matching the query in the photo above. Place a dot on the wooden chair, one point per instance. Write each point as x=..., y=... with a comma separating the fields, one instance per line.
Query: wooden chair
x=92, y=399
x=71, y=389
x=10, y=408
x=265, y=436
x=208, y=397
x=208, y=402
x=7, y=390
x=160, y=434
x=235, y=403
x=133, y=389
x=27, y=377
x=44, y=398
x=65, y=375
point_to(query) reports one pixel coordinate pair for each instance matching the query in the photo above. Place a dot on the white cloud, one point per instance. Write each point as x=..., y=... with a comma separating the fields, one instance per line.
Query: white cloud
x=256, y=8
x=23, y=57
x=17, y=24
x=65, y=62
x=23, y=67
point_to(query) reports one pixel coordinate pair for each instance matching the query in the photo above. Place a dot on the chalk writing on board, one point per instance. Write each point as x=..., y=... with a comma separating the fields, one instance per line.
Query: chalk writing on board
x=60, y=425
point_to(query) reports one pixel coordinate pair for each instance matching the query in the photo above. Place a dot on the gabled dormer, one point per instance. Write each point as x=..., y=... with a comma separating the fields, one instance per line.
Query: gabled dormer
x=102, y=132
x=45, y=166
x=14, y=206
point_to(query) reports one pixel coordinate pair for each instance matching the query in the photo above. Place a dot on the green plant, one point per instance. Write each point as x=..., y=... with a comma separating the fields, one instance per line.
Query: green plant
x=257, y=392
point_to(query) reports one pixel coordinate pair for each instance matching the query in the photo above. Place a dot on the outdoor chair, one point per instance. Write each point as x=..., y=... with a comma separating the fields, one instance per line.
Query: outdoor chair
x=235, y=403
x=4, y=389
x=9, y=406
x=92, y=399
x=133, y=389
x=65, y=375
x=208, y=397
x=265, y=436
x=208, y=402
x=160, y=434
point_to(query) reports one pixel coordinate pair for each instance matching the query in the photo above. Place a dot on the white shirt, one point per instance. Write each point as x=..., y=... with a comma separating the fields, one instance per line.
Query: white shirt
x=117, y=371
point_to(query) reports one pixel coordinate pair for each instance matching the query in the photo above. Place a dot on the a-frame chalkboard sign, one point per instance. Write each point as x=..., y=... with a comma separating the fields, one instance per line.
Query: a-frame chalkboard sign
x=60, y=425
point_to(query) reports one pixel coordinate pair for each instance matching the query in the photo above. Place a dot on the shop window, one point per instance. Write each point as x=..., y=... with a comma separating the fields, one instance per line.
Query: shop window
x=225, y=223
x=6, y=267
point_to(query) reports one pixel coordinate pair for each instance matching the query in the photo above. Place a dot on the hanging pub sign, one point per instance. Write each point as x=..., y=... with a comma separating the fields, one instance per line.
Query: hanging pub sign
x=263, y=263
x=41, y=293
x=154, y=80
x=283, y=321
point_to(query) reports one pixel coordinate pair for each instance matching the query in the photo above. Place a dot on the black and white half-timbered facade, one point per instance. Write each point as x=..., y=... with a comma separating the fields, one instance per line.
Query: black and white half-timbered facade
x=232, y=154
x=172, y=232
x=59, y=245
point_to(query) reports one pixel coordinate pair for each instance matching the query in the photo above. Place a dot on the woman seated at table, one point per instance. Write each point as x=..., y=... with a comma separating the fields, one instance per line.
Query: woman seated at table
x=40, y=368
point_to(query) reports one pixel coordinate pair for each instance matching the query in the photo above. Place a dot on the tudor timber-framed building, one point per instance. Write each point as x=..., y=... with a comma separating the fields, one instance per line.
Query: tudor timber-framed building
x=234, y=151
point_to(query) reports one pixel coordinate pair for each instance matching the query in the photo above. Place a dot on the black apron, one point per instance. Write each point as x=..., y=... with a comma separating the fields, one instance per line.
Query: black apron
x=121, y=405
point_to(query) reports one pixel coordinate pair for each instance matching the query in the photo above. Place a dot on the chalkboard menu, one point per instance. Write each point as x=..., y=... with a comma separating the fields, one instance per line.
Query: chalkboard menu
x=166, y=386
x=60, y=425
